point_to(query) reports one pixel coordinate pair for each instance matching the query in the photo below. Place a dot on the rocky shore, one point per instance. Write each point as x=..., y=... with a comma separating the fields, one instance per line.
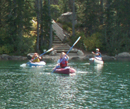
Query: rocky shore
x=8, y=57
x=120, y=56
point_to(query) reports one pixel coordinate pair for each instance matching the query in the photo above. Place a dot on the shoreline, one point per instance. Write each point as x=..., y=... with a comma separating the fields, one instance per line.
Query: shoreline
x=122, y=56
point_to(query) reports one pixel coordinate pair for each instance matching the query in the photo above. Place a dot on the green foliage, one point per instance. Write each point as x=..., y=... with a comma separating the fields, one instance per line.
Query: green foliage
x=45, y=30
x=103, y=24
x=80, y=44
x=6, y=49
x=67, y=28
x=16, y=27
x=93, y=42
x=63, y=5
x=28, y=44
x=55, y=11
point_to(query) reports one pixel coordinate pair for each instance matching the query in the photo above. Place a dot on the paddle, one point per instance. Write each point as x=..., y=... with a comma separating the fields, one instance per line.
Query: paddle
x=68, y=52
x=43, y=53
x=23, y=65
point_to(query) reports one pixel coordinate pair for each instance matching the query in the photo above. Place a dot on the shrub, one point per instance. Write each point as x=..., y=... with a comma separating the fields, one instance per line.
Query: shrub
x=6, y=49
x=94, y=41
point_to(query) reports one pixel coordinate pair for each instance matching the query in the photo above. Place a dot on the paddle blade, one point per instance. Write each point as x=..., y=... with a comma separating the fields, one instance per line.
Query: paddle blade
x=23, y=65
x=47, y=51
x=50, y=50
x=77, y=40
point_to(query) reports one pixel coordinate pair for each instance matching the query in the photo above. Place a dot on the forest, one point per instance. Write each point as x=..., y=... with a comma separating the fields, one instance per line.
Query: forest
x=101, y=23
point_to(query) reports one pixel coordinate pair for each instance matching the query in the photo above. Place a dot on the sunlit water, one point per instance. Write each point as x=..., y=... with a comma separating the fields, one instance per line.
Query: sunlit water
x=93, y=87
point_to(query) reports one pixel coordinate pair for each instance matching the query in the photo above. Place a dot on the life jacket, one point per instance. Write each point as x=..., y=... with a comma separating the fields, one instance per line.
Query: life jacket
x=36, y=60
x=63, y=63
x=98, y=55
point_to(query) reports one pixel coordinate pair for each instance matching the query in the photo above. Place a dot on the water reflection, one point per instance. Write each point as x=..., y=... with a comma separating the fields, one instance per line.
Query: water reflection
x=98, y=67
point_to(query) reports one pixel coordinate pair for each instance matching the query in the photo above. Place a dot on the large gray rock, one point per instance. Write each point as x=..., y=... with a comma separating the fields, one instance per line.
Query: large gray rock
x=67, y=17
x=17, y=58
x=106, y=57
x=123, y=55
x=4, y=57
x=53, y=53
x=7, y=57
x=80, y=53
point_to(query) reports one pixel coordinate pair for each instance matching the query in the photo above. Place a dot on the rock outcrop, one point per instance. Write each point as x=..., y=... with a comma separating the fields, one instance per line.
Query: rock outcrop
x=80, y=56
x=67, y=17
x=7, y=57
x=123, y=56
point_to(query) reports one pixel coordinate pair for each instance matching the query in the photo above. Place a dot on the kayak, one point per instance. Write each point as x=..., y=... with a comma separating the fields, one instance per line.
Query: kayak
x=36, y=64
x=96, y=60
x=67, y=70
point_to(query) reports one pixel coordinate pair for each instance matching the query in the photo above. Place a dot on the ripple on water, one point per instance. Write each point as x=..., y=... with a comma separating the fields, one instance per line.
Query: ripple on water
x=100, y=87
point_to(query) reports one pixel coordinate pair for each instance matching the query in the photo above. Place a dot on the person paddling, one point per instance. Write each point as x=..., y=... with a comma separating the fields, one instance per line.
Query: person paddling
x=63, y=61
x=35, y=58
x=97, y=54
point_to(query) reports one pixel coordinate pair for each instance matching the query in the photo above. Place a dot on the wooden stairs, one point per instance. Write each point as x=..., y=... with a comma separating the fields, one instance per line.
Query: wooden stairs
x=58, y=44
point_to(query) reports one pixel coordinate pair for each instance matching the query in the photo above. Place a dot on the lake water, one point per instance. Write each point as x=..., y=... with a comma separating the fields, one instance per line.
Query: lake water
x=93, y=86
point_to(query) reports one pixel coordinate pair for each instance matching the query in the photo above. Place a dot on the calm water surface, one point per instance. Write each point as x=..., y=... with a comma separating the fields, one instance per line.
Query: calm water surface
x=93, y=86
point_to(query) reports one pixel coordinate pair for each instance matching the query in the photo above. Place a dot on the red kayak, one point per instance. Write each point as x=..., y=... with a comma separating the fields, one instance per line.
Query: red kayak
x=67, y=70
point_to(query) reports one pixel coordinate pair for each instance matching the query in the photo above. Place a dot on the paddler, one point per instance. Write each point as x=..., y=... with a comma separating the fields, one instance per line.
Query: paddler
x=35, y=58
x=63, y=61
x=97, y=54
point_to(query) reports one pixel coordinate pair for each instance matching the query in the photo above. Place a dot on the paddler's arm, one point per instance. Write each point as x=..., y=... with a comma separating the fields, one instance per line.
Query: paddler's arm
x=35, y=58
x=31, y=60
x=93, y=53
x=40, y=57
x=67, y=57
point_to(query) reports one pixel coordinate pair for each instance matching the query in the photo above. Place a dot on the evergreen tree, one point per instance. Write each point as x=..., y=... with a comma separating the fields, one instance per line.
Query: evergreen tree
x=45, y=22
x=102, y=23
x=65, y=5
x=116, y=26
x=16, y=24
x=88, y=14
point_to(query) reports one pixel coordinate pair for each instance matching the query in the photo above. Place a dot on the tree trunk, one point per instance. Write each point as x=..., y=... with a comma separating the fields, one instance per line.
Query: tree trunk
x=0, y=13
x=73, y=20
x=101, y=18
x=38, y=21
x=41, y=28
x=50, y=45
x=20, y=33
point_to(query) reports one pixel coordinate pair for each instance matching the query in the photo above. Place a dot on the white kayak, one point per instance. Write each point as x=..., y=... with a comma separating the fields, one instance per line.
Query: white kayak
x=34, y=64
x=96, y=60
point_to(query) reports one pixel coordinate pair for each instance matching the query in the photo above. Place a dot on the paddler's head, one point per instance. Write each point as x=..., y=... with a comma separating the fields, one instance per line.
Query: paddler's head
x=97, y=49
x=62, y=54
x=35, y=55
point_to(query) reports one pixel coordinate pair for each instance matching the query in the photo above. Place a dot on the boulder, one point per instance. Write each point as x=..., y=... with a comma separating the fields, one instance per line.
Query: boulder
x=80, y=52
x=67, y=17
x=17, y=58
x=7, y=57
x=123, y=55
x=75, y=58
x=53, y=53
x=4, y=57
x=106, y=57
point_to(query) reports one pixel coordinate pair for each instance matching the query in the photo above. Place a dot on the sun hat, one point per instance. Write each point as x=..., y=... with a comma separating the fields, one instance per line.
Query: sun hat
x=97, y=49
